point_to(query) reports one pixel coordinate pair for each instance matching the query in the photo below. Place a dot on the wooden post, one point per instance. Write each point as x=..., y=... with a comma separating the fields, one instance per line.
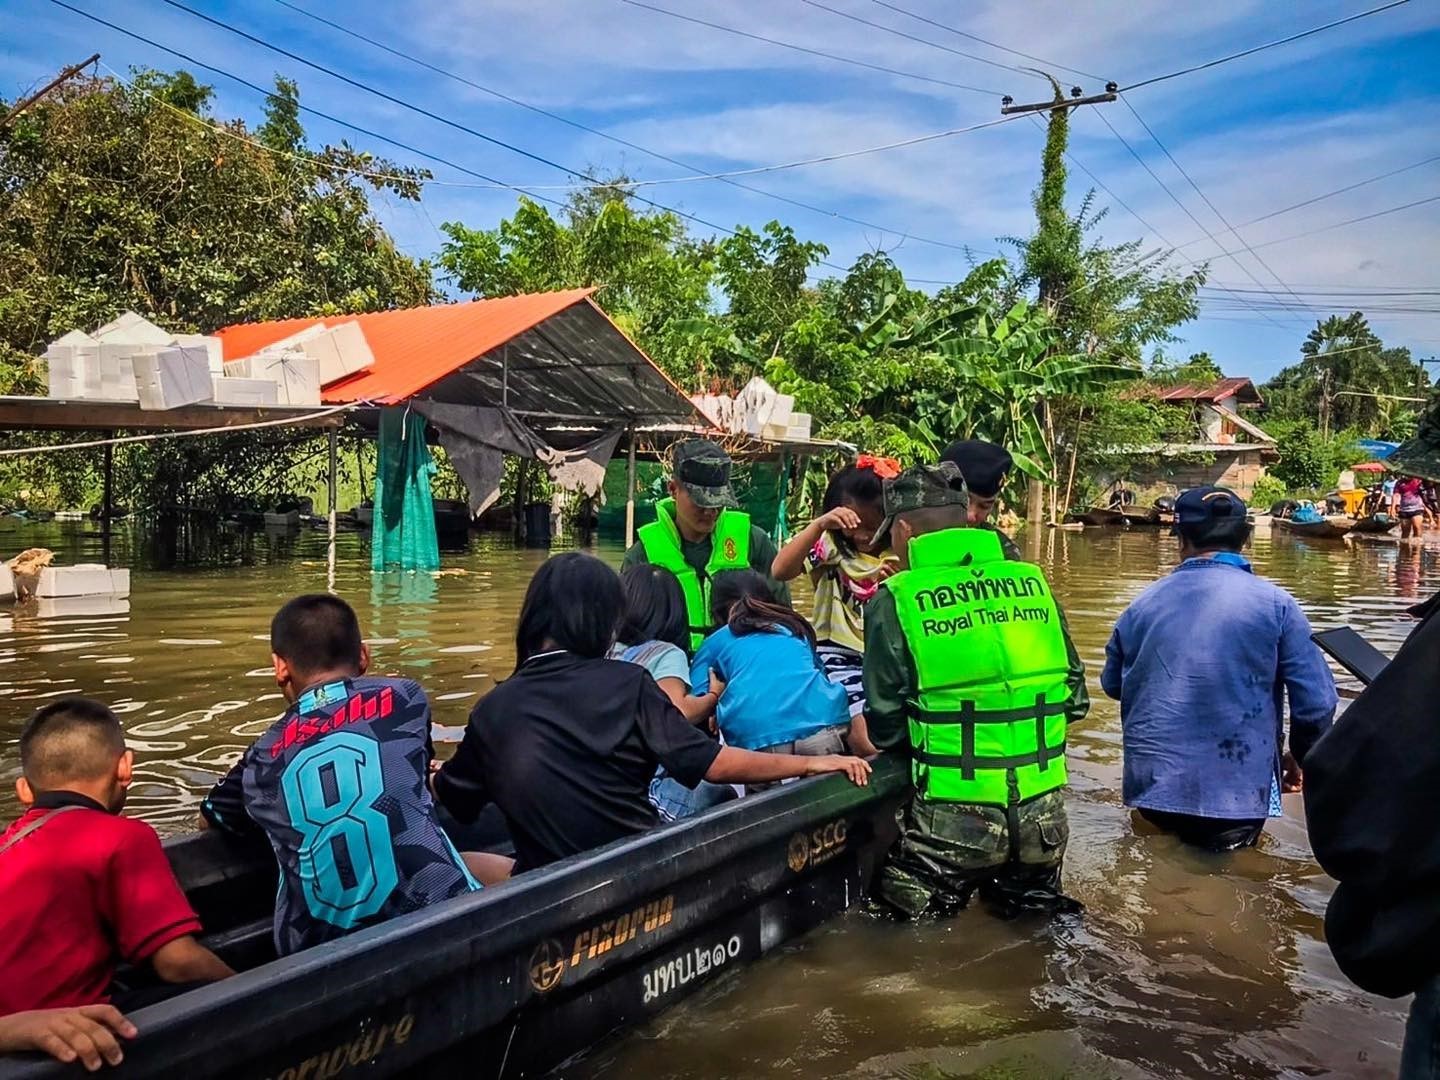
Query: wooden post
x=630, y=492
x=330, y=553
x=107, y=497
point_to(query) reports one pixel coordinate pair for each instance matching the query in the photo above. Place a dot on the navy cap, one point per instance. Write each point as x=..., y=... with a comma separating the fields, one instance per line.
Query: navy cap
x=1204, y=505
x=984, y=465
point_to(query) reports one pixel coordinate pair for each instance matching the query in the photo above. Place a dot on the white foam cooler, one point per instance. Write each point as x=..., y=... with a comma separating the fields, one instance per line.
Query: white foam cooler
x=87, y=579
x=169, y=378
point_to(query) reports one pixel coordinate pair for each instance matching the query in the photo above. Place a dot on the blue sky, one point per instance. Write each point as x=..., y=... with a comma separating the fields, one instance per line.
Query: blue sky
x=1256, y=135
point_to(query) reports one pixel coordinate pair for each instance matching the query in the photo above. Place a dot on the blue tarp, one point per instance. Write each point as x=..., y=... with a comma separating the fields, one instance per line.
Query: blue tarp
x=1377, y=448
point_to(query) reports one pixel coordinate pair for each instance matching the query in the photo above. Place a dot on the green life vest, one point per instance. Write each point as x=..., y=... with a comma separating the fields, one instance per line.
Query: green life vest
x=729, y=550
x=992, y=667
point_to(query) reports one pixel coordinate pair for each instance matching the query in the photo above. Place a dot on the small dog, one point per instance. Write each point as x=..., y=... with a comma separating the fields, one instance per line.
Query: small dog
x=26, y=567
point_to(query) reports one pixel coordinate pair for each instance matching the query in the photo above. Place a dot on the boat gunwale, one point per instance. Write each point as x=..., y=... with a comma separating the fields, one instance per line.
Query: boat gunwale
x=489, y=926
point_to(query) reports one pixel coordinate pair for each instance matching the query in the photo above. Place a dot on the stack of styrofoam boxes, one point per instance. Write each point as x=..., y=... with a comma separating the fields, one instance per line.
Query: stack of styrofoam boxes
x=340, y=351
x=169, y=378
x=295, y=376
x=88, y=579
x=112, y=376
x=214, y=356
x=800, y=427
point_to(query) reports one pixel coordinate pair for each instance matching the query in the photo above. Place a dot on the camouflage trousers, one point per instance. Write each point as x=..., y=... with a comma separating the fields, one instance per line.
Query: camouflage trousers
x=948, y=851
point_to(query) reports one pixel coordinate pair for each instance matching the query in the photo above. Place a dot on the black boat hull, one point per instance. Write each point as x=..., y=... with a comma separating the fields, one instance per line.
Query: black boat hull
x=518, y=979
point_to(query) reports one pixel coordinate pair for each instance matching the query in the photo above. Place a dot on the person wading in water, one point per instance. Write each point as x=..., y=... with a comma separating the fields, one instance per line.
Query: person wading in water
x=970, y=670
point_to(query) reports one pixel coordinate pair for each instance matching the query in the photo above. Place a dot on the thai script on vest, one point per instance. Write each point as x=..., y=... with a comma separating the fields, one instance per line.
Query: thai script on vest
x=978, y=589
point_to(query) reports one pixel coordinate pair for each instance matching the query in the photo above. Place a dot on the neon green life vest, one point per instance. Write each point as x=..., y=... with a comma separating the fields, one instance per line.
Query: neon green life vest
x=729, y=550
x=992, y=664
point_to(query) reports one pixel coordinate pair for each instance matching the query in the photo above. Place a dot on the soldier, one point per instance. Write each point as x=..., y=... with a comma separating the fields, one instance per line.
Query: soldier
x=699, y=531
x=970, y=670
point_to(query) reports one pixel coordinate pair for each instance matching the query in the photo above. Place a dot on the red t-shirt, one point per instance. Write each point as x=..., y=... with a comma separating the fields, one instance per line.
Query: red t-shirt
x=78, y=896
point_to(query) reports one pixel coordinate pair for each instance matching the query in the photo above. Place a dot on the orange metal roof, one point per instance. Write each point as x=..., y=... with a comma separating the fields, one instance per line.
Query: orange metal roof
x=415, y=347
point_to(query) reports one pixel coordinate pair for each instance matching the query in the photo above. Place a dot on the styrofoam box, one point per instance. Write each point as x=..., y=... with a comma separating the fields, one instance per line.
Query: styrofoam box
x=112, y=375
x=214, y=352
x=233, y=391
x=66, y=365
x=295, y=374
x=342, y=350
x=170, y=378
x=87, y=579
x=7, y=583
x=54, y=607
x=133, y=329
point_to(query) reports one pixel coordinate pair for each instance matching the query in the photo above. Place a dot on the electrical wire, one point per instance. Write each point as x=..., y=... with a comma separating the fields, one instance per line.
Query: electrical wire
x=1327, y=195
x=1336, y=225
x=1206, y=199
x=1176, y=199
x=923, y=41
x=1261, y=48
x=983, y=41
x=726, y=177
x=806, y=49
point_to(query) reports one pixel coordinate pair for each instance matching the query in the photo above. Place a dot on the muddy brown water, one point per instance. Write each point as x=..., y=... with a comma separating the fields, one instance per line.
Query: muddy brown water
x=1183, y=965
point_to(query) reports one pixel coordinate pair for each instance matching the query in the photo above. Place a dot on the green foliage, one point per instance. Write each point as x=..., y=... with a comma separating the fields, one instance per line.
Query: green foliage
x=1268, y=490
x=652, y=280
x=1308, y=460
x=117, y=196
x=1347, y=378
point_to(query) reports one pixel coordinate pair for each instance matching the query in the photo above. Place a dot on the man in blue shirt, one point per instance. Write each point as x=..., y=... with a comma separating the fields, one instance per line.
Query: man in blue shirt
x=1201, y=663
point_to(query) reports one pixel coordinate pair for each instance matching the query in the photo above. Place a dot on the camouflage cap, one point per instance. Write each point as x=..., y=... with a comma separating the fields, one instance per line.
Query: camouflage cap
x=702, y=468
x=922, y=487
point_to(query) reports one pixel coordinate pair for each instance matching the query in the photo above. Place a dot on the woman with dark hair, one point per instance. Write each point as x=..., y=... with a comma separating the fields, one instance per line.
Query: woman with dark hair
x=838, y=552
x=777, y=698
x=654, y=633
x=567, y=746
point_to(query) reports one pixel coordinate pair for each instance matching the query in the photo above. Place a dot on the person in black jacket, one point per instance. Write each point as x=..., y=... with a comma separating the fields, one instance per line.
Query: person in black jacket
x=1372, y=801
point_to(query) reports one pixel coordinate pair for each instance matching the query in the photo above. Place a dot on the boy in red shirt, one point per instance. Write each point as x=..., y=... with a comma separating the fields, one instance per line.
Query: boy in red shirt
x=83, y=889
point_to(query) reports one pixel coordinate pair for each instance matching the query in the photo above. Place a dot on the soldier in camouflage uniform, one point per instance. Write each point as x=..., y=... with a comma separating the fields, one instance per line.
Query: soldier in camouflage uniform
x=970, y=671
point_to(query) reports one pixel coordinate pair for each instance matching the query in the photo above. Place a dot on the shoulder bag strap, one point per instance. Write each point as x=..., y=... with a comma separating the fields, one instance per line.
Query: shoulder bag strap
x=28, y=829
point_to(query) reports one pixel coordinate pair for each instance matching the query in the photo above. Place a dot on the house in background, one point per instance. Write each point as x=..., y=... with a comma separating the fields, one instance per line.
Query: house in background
x=1209, y=442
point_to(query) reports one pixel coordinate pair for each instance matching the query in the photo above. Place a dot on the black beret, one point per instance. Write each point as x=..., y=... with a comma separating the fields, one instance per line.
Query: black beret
x=983, y=464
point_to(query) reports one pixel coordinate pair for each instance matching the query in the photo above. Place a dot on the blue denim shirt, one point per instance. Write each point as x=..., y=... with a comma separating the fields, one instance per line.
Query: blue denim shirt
x=1201, y=662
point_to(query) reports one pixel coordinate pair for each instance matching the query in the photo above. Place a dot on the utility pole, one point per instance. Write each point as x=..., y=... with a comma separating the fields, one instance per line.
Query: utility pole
x=1050, y=219
x=64, y=76
x=1325, y=403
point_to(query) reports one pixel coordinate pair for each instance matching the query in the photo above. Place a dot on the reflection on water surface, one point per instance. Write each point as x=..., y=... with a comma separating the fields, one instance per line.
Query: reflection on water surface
x=1184, y=964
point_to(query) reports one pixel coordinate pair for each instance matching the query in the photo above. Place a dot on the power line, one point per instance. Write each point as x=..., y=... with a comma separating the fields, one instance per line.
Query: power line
x=1262, y=48
x=923, y=41
x=726, y=176
x=974, y=37
x=1176, y=199
x=806, y=49
x=490, y=139
x=1337, y=225
x=1206, y=199
x=1327, y=195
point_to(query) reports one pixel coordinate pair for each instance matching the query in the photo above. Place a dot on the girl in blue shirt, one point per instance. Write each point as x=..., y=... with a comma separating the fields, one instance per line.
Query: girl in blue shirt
x=777, y=699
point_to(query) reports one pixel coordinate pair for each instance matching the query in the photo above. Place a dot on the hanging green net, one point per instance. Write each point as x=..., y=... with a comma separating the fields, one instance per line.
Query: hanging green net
x=403, y=532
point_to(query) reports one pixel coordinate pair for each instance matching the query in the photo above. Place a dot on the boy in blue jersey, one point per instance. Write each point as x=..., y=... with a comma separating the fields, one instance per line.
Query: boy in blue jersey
x=339, y=786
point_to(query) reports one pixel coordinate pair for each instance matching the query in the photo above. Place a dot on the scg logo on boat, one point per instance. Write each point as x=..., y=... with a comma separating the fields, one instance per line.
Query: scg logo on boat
x=814, y=848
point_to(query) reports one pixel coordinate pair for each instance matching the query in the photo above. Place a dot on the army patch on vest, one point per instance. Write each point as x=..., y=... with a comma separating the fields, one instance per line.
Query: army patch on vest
x=730, y=551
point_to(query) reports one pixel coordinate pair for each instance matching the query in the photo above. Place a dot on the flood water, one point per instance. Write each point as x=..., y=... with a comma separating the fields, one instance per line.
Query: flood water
x=1183, y=965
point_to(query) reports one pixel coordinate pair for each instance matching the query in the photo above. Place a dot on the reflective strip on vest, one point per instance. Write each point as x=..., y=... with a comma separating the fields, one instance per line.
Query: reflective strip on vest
x=992, y=666
x=729, y=550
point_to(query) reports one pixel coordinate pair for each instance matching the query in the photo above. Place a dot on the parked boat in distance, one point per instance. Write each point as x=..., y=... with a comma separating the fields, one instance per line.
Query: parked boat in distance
x=1376, y=524
x=1096, y=516
x=1333, y=527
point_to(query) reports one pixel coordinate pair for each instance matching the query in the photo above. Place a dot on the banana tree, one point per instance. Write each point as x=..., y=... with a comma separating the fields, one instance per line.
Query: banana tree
x=1005, y=368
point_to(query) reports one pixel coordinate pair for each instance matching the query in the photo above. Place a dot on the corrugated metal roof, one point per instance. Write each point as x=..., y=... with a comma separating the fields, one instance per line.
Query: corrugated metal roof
x=543, y=354
x=1227, y=387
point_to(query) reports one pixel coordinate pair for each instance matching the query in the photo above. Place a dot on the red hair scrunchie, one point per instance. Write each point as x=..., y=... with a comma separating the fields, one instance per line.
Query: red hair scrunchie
x=886, y=468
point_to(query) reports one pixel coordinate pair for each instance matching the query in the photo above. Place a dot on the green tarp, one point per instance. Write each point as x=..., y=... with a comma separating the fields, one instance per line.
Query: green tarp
x=403, y=531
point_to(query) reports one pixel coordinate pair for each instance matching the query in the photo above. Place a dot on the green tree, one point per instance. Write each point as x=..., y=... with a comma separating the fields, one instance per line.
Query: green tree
x=116, y=196
x=652, y=279
x=1346, y=378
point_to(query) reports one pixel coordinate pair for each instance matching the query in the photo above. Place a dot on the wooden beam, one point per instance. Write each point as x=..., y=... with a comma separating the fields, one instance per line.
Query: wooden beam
x=49, y=414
